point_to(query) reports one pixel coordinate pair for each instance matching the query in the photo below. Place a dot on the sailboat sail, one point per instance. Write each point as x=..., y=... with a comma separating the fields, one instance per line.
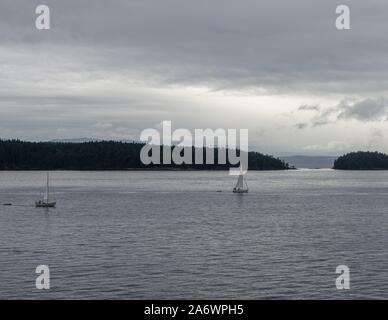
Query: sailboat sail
x=239, y=188
x=46, y=202
x=240, y=182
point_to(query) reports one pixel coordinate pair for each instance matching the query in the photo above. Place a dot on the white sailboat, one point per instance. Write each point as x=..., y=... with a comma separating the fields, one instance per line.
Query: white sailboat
x=46, y=202
x=241, y=185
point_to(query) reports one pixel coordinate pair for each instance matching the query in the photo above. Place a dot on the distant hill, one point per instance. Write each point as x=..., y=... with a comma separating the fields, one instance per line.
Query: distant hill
x=310, y=162
x=103, y=155
x=362, y=160
x=83, y=140
x=76, y=140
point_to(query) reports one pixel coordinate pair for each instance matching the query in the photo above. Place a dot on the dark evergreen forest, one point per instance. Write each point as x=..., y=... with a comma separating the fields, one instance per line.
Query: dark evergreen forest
x=103, y=155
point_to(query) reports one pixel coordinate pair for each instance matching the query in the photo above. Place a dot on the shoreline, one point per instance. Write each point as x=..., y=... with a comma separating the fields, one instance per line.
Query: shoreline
x=140, y=169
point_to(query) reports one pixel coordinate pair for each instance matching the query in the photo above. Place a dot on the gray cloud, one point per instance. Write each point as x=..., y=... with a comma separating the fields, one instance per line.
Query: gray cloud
x=301, y=126
x=376, y=139
x=364, y=110
x=282, y=47
x=105, y=66
x=307, y=107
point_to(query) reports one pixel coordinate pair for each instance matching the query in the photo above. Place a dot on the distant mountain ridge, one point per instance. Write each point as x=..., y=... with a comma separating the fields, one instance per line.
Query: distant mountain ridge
x=75, y=140
x=84, y=140
x=310, y=162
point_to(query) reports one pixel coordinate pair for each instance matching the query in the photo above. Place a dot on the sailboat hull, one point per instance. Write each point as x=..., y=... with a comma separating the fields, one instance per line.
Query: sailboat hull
x=41, y=204
x=240, y=191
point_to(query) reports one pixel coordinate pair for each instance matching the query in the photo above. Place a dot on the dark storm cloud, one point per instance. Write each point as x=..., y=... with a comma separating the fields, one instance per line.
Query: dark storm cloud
x=109, y=65
x=272, y=44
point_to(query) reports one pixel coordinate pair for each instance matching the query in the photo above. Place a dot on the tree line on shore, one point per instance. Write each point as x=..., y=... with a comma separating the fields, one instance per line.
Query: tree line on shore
x=362, y=160
x=106, y=155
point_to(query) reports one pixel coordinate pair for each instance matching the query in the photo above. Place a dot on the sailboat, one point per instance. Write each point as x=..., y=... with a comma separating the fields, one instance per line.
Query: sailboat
x=241, y=185
x=46, y=202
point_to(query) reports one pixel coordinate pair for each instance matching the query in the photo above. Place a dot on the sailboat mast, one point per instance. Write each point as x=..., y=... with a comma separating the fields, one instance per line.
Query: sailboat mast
x=47, y=187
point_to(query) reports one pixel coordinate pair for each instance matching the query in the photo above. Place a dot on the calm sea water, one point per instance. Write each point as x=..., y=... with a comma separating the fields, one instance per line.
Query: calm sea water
x=159, y=235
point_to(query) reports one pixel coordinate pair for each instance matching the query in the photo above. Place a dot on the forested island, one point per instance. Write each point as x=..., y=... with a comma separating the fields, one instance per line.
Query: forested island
x=362, y=160
x=105, y=155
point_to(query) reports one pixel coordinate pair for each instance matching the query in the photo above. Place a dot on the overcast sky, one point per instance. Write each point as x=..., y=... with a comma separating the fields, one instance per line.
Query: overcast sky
x=109, y=69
